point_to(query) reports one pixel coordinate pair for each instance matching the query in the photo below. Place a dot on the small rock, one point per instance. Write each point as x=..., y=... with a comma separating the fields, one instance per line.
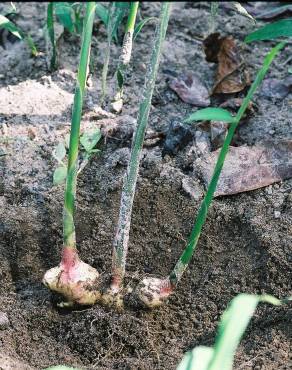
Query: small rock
x=192, y=188
x=277, y=214
x=4, y=321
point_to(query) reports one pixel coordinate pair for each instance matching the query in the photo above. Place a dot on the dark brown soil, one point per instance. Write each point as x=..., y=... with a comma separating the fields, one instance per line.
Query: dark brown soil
x=244, y=247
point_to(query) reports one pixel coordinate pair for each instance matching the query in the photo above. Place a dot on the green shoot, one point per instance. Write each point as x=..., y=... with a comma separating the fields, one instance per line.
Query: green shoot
x=16, y=31
x=153, y=291
x=88, y=142
x=73, y=278
x=125, y=55
x=282, y=28
x=116, y=13
x=120, y=245
x=51, y=34
x=233, y=324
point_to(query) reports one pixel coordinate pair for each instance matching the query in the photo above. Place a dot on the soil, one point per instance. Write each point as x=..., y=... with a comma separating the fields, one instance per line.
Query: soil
x=245, y=245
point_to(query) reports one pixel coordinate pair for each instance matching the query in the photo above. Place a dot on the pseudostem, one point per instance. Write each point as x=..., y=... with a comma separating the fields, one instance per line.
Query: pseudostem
x=120, y=245
x=73, y=278
x=153, y=291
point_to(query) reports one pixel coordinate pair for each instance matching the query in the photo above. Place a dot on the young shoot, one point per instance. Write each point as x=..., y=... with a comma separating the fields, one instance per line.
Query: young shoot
x=120, y=245
x=74, y=279
x=51, y=34
x=114, y=18
x=153, y=292
x=125, y=56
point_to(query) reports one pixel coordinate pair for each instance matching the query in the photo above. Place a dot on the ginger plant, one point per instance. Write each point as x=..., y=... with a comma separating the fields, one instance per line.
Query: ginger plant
x=153, y=292
x=77, y=281
x=120, y=244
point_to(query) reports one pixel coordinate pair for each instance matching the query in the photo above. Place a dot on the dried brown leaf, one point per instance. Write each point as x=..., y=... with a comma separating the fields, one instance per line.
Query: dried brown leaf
x=250, y=167
x=231, y=76
x=191, y=90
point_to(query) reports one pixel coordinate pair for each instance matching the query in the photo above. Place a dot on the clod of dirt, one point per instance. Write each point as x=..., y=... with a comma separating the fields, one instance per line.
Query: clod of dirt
x=177, y=137
x=191, y=89
x=4, y=321
x=274, y=88
x=231, y=76
x=248, y=168
x=192, y=188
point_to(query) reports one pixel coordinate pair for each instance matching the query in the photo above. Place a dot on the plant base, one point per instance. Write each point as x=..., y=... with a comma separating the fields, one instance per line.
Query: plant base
x=77, y=281
x=153, y=292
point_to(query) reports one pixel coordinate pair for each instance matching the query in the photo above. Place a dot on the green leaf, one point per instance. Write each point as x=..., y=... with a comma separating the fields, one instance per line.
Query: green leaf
x=141, y=24
x=89, y=140
x=282, y=28
x=210, y=114
x=102, y=12
x=197, y=359
x=59, y=152
x=60, y=175
x=233, y=324
x=31, y=45
x=120, y=9
x=65, y=15
x=11, y=27
x=120, y=79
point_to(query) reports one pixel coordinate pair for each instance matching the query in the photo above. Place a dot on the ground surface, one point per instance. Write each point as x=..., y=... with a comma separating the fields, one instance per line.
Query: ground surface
x=243, y=247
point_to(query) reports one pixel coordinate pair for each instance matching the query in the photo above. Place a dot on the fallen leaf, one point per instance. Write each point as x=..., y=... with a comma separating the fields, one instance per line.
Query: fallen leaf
x=231, y=76
x=274, y=88
x=191, y=90
x=250, y=167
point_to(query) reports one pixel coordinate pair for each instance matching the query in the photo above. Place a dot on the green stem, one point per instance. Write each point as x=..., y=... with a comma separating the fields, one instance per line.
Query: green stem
x=126, y=52
x=50, y=27
x=70, y=191
x=122, y=236
x=186, y=256
x=110, y=25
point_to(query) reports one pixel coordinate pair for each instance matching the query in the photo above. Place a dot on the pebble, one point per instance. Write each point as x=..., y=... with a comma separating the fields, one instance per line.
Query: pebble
x=277, y=214
x=4, y=321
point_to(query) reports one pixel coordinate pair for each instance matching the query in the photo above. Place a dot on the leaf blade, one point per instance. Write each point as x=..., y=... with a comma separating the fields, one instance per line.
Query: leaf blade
x=210, y=114
x=282, y=28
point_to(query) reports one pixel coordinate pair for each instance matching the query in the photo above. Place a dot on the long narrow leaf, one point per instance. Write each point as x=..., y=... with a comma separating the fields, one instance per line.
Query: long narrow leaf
x=210, y=114
x=233, y=324
x=11, y=27
x=282, y=28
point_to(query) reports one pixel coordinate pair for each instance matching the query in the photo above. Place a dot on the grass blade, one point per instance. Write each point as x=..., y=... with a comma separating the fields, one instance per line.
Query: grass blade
x=51, y=34
x=154, y=291
x=202, y=214
x=282, y=28
x=233, y=324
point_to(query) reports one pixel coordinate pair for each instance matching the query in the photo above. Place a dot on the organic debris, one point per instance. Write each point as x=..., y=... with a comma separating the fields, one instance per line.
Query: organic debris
x=278, y=89
x=267, y=11
x=191, y=89
x=250, y=167
x=177, y=137
x=231, y=75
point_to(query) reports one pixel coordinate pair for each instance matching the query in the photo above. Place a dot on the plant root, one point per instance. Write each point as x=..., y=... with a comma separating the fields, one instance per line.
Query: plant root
x=77, y=281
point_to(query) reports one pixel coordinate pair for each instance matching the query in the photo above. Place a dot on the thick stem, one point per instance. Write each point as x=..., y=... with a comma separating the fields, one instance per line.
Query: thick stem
x=51, y=32
x=110, y=26
x=186, y=256
x=120, y=246
x=70, y=190
x=125, y=56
